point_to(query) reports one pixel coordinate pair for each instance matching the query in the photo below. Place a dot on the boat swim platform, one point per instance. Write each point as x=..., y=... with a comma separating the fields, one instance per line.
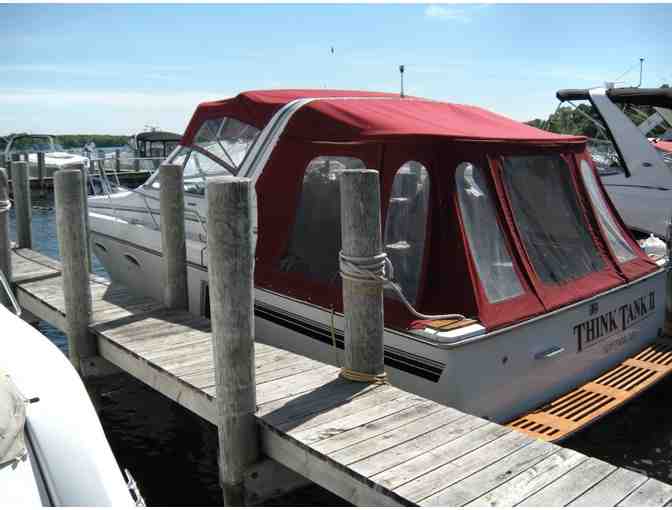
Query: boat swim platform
x=373, y=445
x=581, y=407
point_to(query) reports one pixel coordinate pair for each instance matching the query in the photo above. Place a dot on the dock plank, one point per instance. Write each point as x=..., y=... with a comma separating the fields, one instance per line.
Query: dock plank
x=474, y=486
x=461, y=467
x=571, y=484
x=373, y=445
x=650, y=493
x=611, y=489
x=531, y=480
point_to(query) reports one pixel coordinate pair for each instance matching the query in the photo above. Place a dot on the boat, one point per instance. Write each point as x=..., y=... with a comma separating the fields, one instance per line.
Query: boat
x=152, y=147
x=506, y=225
x=55, y=158
x=53, y=450
x=637, y=171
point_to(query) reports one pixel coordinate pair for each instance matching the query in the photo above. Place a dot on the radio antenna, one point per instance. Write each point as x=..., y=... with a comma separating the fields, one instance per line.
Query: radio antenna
x=401, y=73
x=641, y=65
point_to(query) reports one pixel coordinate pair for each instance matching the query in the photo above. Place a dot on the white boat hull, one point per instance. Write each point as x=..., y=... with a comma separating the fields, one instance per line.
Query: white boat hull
x=68, y=443
x=499, y=375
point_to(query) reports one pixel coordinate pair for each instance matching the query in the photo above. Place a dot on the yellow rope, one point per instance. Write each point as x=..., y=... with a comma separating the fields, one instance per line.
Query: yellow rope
x=353, y=375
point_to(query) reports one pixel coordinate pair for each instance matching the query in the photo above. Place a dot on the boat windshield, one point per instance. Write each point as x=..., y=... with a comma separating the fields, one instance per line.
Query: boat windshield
x=227, y=139
x=34, y=143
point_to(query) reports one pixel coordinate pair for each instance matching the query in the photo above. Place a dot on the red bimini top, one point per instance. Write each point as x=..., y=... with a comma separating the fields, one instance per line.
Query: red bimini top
x=482, y=215
x=371, y=115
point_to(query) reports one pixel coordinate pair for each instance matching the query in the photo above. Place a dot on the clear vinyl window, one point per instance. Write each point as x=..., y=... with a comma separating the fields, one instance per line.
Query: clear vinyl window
x=406, y=226
x=487, y=244
x=549, y=218
x=197, y=166
x=228, y=139
x=316, y=236
x=619, y=246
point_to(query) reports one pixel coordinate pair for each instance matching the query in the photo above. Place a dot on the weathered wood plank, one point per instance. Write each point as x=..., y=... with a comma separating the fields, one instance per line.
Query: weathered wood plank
x=402, y=434
x=531, y=480
x=376, y=427
x=321, y=470
x=570, y=485
x=380, y=395
x=461, y=467
x=433, y=459
x=612, y=489
x=356, y=420
x=175, y=389
x=437, y=438
x=651, y=493
x=470, y=488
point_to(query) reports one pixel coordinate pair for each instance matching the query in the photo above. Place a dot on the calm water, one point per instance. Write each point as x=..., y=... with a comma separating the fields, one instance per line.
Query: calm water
x=171, y=452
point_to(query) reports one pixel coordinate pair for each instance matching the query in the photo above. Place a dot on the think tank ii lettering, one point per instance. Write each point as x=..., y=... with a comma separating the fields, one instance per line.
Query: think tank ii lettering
x=600, y=327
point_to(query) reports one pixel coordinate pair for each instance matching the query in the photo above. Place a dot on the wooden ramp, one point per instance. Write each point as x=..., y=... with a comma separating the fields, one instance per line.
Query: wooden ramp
x=581, y=407
x=371, y=445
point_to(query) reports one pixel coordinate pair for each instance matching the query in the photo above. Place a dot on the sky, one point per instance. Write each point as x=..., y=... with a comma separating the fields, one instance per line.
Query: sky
x=113, y=69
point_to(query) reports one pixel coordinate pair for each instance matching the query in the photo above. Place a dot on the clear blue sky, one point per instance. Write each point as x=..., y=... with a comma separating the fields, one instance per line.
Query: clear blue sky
x=115, y=68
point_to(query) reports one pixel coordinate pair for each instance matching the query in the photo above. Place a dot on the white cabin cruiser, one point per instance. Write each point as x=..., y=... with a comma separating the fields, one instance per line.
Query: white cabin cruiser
x=639, y=183
x=55, y=158
x=500, y=222
x=53, y=451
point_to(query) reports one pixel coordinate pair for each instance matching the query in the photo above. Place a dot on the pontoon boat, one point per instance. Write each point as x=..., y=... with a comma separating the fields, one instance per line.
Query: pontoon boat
x=503, y=223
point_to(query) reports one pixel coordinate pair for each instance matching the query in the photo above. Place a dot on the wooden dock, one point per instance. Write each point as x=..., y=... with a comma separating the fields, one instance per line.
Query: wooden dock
x=369, y=444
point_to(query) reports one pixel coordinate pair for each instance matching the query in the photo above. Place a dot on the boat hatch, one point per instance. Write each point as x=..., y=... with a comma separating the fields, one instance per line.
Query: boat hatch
x=597, y=398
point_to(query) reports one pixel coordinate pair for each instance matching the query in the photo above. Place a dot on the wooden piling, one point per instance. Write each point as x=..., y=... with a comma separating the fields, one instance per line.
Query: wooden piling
x=5, y=243
x=362, y=297
x=117, y=161
x=173, y=241
x=84, y=191
x=21, y=188
x=231, y=222
x=41, y=169
x=72, y=243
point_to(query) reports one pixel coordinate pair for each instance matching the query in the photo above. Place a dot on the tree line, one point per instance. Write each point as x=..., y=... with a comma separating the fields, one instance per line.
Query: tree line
x=579, y=121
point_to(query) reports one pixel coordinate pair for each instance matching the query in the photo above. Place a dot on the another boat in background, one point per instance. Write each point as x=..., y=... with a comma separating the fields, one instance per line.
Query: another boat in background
x=634, y=170
x=55, y=158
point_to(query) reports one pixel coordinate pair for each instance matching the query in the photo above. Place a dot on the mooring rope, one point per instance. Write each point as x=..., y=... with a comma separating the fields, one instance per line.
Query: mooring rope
x=374, y=271
x=5, y=205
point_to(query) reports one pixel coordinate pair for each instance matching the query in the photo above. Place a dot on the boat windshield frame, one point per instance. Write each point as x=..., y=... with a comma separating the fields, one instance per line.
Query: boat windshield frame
x=53, y=143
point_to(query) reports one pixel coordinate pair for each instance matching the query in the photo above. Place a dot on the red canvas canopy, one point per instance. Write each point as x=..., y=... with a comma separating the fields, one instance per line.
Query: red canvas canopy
x=386, y=132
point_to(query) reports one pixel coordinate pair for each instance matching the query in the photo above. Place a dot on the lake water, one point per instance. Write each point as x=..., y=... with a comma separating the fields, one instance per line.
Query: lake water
x=172, y=453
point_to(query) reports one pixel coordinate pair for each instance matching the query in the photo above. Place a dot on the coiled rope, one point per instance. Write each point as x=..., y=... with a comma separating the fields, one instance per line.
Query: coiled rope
x=5, y=205
x=374, y=271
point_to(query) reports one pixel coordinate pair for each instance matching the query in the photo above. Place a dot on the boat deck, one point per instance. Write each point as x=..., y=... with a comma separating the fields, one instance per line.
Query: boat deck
x=371, y=445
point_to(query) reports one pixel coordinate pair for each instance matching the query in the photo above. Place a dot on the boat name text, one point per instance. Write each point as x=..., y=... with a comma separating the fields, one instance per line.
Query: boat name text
x=595, y=329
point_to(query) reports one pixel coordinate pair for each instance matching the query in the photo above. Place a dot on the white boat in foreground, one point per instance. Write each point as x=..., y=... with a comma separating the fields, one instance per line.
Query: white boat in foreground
x=485, y=217
x=53, y=450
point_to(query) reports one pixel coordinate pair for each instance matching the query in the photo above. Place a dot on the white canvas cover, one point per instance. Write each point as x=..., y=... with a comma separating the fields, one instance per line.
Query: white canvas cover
x=12, y=422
